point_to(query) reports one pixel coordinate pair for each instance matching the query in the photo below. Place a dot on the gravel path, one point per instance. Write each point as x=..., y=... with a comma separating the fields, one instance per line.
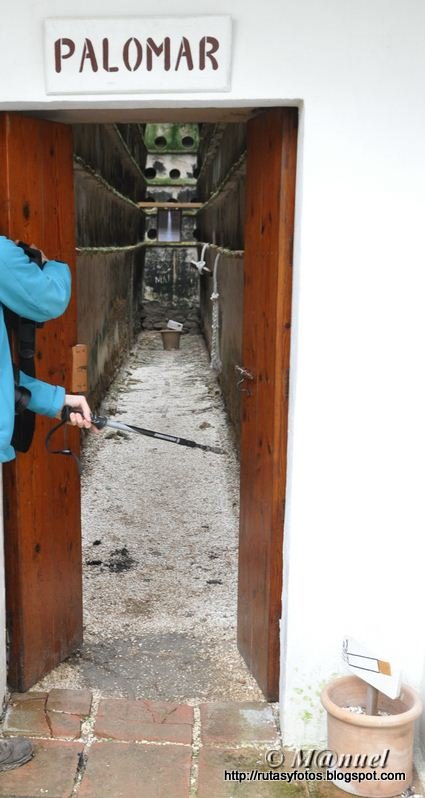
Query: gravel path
x=160, y=526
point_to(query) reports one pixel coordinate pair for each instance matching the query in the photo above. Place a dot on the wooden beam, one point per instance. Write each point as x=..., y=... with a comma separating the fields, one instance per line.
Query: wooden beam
x=171, y=205
x=156, y=243
x=98, y=116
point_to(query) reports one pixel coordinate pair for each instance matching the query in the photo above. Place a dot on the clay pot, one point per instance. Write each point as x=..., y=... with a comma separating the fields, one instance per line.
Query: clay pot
x=350, y=733
x=171, y=339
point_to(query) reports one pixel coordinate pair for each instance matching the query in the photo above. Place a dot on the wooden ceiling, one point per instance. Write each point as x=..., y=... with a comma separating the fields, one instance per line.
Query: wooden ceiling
x=141, y=115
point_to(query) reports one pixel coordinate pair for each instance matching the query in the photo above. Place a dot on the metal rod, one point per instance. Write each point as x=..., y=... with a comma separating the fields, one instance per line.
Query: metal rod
x=104, y=421
x=371, y=700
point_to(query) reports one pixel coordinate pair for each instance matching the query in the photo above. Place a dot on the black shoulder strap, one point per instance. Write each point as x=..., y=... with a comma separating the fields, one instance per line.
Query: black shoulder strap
x=23, y=331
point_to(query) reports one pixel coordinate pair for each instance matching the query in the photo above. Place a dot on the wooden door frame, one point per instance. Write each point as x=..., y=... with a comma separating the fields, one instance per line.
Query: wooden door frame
x=268, y=681
x=269, y=236
x=42, y=517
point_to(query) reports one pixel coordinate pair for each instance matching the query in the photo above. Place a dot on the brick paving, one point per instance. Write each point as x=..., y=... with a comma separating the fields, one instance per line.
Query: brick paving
x=138, y=721
x=131, y=771
x=51, y=772
x=91, y=747
x=59, y=713
x=238, y=724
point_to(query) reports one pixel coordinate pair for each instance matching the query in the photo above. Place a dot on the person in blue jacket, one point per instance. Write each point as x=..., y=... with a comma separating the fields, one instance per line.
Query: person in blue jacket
x=40, y=295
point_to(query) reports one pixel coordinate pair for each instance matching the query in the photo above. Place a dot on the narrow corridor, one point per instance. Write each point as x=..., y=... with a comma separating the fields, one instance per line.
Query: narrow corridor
x=160, y=526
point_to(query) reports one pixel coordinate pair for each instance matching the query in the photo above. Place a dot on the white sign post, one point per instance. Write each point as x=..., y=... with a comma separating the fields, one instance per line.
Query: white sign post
x=136, y=55
x=377, y=671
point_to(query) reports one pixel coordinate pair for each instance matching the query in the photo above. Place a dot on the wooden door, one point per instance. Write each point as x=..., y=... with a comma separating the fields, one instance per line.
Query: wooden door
x=271, y=166
x=42, y=495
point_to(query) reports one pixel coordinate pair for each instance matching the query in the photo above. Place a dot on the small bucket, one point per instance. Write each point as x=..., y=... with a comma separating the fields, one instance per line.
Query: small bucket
x=171, y=339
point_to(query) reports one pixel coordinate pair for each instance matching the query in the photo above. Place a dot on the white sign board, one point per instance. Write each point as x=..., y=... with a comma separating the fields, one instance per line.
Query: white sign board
x=143, y=54
x=373, y=669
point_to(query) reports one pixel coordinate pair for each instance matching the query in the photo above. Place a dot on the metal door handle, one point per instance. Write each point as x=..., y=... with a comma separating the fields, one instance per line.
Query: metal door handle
x=243, y=375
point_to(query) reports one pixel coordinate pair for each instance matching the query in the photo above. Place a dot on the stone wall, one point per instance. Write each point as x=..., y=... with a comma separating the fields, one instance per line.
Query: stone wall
x=109, y=287
x=221, y=184
x=109, y=180
x=117, y=153
x=171, y=284
x=230, y=284
x=170, y=288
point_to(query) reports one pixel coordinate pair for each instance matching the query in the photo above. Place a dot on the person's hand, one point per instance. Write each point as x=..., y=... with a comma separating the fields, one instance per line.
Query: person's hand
x=82, y=417
x=44, y=257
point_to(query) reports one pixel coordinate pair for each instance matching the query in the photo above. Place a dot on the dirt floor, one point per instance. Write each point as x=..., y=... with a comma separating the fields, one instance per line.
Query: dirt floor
x=160, y=526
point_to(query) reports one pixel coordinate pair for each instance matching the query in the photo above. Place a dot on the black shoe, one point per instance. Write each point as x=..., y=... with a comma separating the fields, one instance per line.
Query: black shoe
x=14, y=752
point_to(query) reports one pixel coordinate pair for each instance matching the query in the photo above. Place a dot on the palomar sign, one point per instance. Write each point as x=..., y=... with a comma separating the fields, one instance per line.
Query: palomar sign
x=145, y=54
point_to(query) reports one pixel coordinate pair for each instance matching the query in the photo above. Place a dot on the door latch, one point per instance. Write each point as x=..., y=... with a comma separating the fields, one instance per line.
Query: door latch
x=243, y=375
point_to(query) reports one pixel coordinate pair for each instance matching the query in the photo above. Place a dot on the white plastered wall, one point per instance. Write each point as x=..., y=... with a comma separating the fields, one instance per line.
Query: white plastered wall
x=355, y=510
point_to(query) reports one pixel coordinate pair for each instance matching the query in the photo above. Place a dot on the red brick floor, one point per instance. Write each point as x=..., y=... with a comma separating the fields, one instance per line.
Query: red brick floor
x=118, y=748
x=51, y=772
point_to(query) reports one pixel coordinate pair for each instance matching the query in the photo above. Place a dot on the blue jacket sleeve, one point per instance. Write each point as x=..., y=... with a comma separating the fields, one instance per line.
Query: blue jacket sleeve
x=45, y=398
x=29, y=291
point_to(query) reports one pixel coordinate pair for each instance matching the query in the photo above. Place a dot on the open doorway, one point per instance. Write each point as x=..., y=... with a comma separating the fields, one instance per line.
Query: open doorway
x=264, y=354
x=160, y=526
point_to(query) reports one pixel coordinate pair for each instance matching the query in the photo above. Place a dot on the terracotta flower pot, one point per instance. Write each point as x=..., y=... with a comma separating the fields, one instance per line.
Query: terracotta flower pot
x=171, y=339
x=351, y=733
